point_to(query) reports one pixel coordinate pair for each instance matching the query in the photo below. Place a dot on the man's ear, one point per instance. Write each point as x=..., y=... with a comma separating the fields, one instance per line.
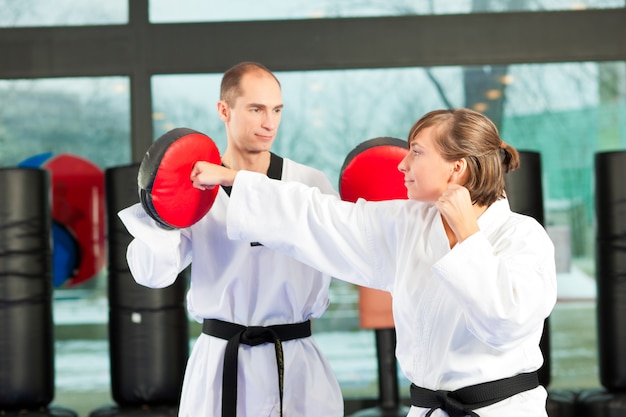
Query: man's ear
x=223, y=110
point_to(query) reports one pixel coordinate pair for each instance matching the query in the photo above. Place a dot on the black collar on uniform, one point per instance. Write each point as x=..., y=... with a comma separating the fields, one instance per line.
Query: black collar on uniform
x=274, y=171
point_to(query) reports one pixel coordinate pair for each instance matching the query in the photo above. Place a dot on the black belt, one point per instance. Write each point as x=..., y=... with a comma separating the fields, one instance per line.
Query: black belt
x=251, y=336
x=461, y=402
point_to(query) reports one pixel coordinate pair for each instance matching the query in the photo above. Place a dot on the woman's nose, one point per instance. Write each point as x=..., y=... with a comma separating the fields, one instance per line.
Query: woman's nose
x=402, y=164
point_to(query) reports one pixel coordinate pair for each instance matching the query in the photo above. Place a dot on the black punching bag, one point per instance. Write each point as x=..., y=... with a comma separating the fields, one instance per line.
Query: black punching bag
x=601, y=403
x=26, y=327
x=562, y=403
x=610, y=201
x=148, y=328
x=525, y=194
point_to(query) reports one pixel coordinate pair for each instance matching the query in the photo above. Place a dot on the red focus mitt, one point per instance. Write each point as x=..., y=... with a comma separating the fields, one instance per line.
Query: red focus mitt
x=165, y=189
x=371, y=172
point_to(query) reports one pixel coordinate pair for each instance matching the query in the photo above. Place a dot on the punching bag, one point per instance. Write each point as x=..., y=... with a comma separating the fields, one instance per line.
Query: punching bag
x=601, y=403
x=525, y=194
x=77, y=199
x=562, y=403
x=370, y=171
x=148, y=328
x=610, y=202
x=26, y=327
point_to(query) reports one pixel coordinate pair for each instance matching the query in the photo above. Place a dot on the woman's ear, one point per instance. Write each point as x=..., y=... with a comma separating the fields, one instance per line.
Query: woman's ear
x=459, y=171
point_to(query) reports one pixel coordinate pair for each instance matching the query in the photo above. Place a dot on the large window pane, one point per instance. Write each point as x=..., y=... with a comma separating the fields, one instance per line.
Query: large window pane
x=91, y=12
x=567, y=112
x=87, y=117
x=165, y=11
x=20, y=13
x=327, y=113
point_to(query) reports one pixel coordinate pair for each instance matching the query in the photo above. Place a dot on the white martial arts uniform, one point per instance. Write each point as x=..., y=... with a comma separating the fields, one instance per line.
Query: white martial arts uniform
x=250, y=285
x=463, y=316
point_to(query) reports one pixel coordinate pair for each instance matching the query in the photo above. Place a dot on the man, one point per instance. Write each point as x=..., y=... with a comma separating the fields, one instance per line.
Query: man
x=236, y=369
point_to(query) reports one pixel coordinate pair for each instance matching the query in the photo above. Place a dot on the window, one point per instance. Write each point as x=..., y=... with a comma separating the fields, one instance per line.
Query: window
x=164, y=11
x=88, y=117
x=62, y=13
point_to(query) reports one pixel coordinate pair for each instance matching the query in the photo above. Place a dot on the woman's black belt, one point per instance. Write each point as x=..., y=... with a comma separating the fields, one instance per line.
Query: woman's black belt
x=237, y=334
x=463, y=401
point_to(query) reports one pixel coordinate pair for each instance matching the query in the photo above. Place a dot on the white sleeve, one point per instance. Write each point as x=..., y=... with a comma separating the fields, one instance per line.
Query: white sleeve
x=155, y=256
x=321, y=181
x=300, y=221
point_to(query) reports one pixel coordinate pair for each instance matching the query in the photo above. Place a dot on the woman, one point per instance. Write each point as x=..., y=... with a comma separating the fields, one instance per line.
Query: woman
x=472, y=282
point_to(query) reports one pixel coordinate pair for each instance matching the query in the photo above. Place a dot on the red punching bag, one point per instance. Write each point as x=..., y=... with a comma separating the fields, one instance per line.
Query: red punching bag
x=370, y=171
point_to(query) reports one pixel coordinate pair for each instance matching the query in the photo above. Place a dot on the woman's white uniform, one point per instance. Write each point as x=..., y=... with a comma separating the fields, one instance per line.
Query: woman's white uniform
x=237, y=282
x=463, y=316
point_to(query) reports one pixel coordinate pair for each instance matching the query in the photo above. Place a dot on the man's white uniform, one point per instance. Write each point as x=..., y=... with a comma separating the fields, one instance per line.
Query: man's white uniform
x=247, y=284
x=463, y=316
